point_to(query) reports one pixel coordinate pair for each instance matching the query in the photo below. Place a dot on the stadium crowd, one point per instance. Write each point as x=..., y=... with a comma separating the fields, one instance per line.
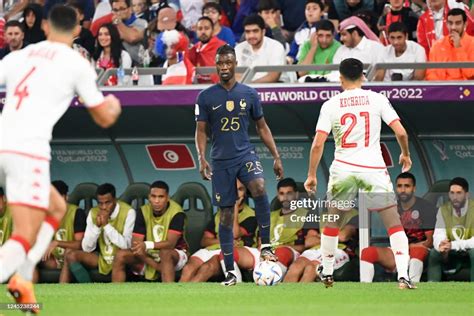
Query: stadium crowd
x=149, y=243
x=180, y=35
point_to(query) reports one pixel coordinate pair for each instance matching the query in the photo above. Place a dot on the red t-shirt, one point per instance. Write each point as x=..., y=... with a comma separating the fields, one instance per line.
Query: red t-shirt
x=204, y=55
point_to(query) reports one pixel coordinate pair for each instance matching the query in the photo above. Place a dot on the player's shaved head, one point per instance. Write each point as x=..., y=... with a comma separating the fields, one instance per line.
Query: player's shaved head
x=351, y=69
x=225, y=49
x=62, y=18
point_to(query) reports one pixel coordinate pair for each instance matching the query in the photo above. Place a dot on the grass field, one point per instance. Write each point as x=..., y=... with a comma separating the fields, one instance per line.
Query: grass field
x=247, y=299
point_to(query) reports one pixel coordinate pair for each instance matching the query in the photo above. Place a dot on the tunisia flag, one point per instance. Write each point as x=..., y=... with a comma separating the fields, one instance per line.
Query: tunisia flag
x=170, y=156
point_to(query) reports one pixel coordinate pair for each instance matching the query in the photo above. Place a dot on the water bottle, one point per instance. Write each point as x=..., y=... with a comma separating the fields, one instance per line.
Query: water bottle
x=135, y=76
x=120, y=75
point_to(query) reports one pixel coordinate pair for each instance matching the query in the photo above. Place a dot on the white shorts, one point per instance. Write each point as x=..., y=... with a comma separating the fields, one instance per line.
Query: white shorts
x=344, y=187
x=205, y=254
x=183, y=259
x=340, y=257
x=26, y=178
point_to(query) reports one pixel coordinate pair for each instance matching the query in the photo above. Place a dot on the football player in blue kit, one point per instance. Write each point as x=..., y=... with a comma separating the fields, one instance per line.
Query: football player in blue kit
x=228, y=108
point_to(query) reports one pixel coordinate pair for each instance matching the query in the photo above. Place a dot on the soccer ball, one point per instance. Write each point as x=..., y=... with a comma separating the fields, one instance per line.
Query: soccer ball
x=267, y=273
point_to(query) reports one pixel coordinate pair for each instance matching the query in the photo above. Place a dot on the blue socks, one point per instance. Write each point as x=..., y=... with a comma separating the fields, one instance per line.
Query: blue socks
x=226, y=239
x=262, y=212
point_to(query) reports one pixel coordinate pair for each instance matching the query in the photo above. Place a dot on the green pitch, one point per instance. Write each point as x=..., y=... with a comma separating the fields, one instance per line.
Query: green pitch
x=247, y=299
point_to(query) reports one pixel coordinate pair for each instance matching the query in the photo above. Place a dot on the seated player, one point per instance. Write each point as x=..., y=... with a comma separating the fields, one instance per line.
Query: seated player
x=158, y=243
x=6, y=224
x=204, y=264
x=109, y=228
x=453, y=239
x=305, y=267
x=69, y=234
x=286, y=235
x=417, y=216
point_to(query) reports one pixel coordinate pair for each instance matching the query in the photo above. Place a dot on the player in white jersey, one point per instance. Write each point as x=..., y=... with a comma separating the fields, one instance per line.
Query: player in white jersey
x=354, y=117
x=41, y=81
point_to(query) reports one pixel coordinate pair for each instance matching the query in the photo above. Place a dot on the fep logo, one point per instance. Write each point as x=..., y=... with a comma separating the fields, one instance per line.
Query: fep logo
x=171, y=156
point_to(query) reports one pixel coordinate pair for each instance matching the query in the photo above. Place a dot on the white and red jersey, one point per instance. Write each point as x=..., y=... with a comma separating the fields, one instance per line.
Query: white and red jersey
x=41, y=81
x=355, y=119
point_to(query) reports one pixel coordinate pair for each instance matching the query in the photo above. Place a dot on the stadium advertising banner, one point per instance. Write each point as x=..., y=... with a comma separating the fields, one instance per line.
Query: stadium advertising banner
x=76, y=164
x=294, y=94
x=451, y=158
x=302, y=94
x=177, y=163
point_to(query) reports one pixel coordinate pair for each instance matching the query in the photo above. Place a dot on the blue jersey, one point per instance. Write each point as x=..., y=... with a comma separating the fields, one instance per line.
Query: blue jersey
x=228, y=113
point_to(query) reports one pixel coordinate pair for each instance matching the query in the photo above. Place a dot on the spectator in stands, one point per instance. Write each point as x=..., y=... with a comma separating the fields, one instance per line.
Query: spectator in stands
x=359, y=42
x=172, y=46
x=453, y=238
x=204, y=264
x=401, y=50
x=455, y=47
x=140, y=9
x=213, y=11
x=85, y=38
x=319, y=49
x=370, y=18
x=417, y=216
x=109, y=52
x=14, y=38
x=109, y=228
x=32, y=21
x=259, y=50
x=432, y=25
x=293, y=12
x=269, y=10
x=87, y=5
x=130, y=28
x=167, y=21
x=398, y=13
x=68, y=236
x=313, y=11
x=6, y=223
x=340, y=10
x=203, y=53
x=150, y=57
x=243, y=10
x=191, y=11
x=158, y=243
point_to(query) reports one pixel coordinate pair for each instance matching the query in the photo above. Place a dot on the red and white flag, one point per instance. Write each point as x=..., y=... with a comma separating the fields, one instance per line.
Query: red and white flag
x=103, y=14
x=171, y=156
